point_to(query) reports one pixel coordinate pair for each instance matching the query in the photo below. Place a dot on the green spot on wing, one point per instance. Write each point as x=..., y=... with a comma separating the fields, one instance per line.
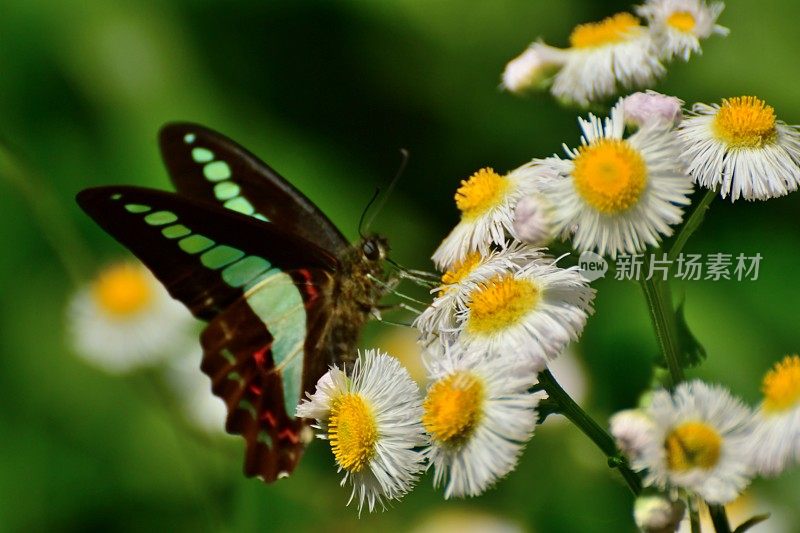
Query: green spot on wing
x=175, y=231
x=241, y=205
x=242, y=272
x=116, y=196
x=217, y=171
x=202, y=155
x=195, y=244
x=159, y=218
x=259, y=216
x=229, y=357
x=189, y=138
x=226, y=190
x=137, y=208
x=221, y=255
x=247, y=406
x=264, y=438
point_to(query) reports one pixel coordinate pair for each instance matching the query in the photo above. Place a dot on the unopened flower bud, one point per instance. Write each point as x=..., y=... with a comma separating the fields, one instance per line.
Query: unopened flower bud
x=530, y=69
x=656, y=513
x=641, y=108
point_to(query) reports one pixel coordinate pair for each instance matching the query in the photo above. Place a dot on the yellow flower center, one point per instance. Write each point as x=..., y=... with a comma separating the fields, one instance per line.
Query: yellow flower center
x=453, y=408
x=501, y=302
x=461, y=269
x=745, y=122
x=482, y=191
x=123, y=289
x=352, y=432
x=610, y=175
x=782, y=385
x=682, y=21
x=692, y=445
x=613, y=29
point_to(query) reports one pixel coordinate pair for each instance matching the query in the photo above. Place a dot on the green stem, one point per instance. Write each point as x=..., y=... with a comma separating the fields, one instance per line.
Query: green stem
x=590, y=428
x=719, y=518
x=691, y=225
x=662, y=314
x=694, y=515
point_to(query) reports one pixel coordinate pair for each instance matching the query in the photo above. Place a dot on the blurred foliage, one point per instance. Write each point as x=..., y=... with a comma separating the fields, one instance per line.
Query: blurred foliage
x=327, y=93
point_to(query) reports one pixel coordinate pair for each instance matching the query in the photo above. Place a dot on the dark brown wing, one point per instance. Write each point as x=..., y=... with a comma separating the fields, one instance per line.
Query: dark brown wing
x=208, y=166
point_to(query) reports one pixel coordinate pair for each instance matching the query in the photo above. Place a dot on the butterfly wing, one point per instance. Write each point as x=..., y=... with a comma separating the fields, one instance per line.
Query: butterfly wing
x=266, y=293
x=208, y=166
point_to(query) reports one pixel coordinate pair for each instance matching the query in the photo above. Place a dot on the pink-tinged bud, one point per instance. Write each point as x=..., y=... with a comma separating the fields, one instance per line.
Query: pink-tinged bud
x=658, y=514
x=531, y=68
x=632, y=430
x=641, y=108
x=532, y=220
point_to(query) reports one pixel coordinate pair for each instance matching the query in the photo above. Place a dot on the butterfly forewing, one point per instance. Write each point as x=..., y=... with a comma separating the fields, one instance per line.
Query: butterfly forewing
x=208, y=166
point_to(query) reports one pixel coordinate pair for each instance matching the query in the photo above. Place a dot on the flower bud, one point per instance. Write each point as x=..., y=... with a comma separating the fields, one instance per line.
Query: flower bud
x=641, y=108
x=656, y=513
x=530, y=69
x=532, y=220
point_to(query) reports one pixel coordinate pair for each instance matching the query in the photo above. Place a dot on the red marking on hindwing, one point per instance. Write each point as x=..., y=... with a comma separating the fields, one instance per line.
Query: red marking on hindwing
x=310, y=289
x=289, y=435
x=269, y=418
x=255, y=389
x=260, y=356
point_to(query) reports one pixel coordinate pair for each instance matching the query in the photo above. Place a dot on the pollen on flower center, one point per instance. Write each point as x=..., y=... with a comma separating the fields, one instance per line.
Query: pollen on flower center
x=613, y=29
x=352, y=432
x=692, y=445
x=682, y=21
x=610, y=175
x=782, y=385
x=745, y=122
x=501, y=302
x=482, y=191
x=453, y=408
x=123, y=289
x=461, y=269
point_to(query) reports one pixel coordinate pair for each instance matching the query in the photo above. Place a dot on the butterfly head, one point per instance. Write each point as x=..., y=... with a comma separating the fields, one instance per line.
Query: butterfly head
x=374, y=248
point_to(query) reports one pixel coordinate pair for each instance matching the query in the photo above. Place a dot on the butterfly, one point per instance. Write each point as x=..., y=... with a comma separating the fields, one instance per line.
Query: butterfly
x=283, y=292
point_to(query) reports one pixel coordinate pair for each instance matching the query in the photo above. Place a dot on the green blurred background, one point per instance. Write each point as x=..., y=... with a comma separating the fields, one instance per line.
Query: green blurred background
x=327, y=92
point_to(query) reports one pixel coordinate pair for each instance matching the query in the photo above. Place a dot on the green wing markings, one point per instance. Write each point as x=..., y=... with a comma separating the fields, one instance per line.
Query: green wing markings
x=219, y=172
x=264, y=438
x=159, y=218
x=137, y=208
x=194, y=244
x=277, y=301
x=175, y=231
x=245, y=271
x=221, y=255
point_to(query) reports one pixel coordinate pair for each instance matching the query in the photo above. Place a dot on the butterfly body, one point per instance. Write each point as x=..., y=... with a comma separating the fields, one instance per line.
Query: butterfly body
x=284, y=294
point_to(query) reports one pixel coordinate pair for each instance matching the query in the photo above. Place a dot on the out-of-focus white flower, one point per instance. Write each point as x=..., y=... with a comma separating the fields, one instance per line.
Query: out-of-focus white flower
x=371, y=418
x=126, y=320
x=192, y=389
x=604, y=57
x=531, y=68
x=643, y=107
x=466, y=521
x=533, y=220
x=678, y=25
x=741, y=149
x=632, y=429
x=656, y=513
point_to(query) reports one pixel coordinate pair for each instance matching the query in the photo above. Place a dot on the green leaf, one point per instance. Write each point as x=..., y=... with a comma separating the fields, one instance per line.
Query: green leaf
x=751, y=522
x=547, y=407
x=692, y=352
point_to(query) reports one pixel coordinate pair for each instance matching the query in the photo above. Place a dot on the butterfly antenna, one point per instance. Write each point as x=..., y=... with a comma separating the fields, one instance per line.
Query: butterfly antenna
x=389, y=189
x=364, y=212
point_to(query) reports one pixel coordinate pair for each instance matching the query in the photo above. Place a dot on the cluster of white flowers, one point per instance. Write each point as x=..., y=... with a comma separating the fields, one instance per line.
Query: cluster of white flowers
x=617, y=52
x=701, y=439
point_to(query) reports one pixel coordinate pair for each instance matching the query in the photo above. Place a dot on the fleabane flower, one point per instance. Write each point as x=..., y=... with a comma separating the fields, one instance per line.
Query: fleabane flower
x=192, y=390
x=531, y=68
x=533, y=220
x=632, y=430
x=439, y=318
x=371, y=417
x=777, y=439
x=656, y=513
x=124, y=319
x=604, y=57
x=649, y=106
x=700, y=442
x=479, y=415
x=741, y=149
x=678, y=25
x=618, y=194
x=486, y=201
x=531, y=311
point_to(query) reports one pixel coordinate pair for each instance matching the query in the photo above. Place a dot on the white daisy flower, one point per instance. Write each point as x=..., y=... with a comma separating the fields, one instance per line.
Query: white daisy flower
x=439, y=318
x=632, y=430
x=603, y=58
x=479, y=415
x=700, y=442
x=192, y=390
x=741, y=149
x=125, y=320
x=777, y=439
x=618, y=194
x=643, y=107
x=533, y=220
x=532, y=310
x=531, y=68
x=371, y=417
x=486, y=201
x=678, y=25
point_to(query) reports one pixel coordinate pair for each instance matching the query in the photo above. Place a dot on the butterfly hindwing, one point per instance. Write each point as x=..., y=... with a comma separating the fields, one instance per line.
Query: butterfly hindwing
x=207, y=257
x=208, y=166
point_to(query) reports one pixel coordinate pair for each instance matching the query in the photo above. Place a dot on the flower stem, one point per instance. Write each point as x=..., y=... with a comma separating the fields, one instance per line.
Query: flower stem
x=590, y=428
x=691, y=225
x=694, y=515
x=719, y=518
x=659, y=303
